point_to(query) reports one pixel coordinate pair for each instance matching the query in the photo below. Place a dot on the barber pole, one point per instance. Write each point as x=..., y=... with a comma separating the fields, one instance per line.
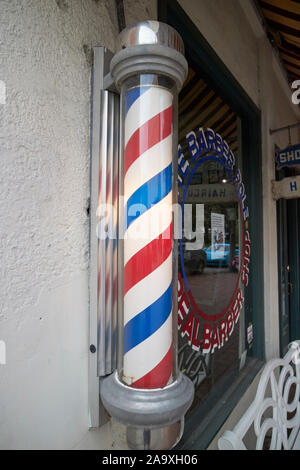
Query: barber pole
x=147, y=394
x=148, y=237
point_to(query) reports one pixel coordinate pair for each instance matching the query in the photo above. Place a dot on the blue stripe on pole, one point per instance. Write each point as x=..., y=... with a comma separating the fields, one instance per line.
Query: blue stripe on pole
x=143, y=325
x=149, y=194
x=132, y=95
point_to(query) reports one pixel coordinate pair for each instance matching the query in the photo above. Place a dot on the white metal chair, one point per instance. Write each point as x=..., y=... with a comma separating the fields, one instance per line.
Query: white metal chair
x=275, y=411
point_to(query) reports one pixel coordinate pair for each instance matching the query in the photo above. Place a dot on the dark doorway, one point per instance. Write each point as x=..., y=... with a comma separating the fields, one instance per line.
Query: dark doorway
x=288, y=219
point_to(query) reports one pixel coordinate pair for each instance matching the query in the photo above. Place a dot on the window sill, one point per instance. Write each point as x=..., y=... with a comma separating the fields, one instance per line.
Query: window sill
x=202, y=425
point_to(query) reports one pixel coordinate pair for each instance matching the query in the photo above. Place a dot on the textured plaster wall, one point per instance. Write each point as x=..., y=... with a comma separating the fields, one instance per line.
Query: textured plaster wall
x=139, y=10
x=44, y=192
x=44, y=232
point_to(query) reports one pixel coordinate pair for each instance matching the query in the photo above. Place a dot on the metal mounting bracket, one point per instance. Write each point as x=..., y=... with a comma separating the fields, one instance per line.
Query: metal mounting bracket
x=103, y=217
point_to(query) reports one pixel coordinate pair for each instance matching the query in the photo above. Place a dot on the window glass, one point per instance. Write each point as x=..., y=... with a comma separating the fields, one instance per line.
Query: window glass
x=211, y=253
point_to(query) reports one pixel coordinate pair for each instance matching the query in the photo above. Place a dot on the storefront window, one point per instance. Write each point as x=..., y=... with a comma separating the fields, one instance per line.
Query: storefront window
x=220, y=280
x=212, y=249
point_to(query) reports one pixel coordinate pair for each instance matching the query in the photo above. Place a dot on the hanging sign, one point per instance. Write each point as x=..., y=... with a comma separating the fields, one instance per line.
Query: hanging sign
x=287, y=188
x=208, y=331
x=205, y=193
x=288, y=157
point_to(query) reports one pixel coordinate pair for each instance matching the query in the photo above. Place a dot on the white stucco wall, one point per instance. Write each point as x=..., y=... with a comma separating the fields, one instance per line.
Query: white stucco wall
x=45, y=154
x=139, y=10
x=44, y=191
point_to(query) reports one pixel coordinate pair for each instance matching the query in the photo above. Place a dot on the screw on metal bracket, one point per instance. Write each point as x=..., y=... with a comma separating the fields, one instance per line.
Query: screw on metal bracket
x=93, y=348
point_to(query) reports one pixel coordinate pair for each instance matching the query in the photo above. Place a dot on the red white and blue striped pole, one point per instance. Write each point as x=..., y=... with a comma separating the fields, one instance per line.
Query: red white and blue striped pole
x=147, y=244
x=147, y=393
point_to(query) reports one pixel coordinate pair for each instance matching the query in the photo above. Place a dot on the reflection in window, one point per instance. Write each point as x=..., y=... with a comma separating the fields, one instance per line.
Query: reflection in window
x=212, y=269
x=210, y=252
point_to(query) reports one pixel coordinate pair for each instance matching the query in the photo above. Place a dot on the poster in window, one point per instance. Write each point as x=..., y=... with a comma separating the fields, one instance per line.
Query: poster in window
x=217, y=236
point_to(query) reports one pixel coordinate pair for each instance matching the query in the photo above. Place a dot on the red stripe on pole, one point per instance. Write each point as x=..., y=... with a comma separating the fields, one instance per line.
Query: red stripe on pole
x=148, y=135
x=149, y=258
x=159, y=376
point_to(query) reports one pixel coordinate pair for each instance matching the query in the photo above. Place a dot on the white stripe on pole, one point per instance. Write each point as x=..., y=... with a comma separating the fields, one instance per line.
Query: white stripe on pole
x=147, y=227
x=152, y=103
x=149, y=164
x=139, y=297
x=148, y=354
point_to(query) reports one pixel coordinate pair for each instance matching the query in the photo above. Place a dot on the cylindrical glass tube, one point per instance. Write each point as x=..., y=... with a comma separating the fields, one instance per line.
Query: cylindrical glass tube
x=147, y=249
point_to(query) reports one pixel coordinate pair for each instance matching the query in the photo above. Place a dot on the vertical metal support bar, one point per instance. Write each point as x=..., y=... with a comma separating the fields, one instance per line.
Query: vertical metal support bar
x=108, y=243
x=103, y=232
x=101, y=253
x=94, y=386
x=107, y=247
x=115, y=192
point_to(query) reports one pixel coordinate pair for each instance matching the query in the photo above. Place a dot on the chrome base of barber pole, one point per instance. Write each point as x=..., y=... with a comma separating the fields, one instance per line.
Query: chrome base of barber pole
x=147, y=419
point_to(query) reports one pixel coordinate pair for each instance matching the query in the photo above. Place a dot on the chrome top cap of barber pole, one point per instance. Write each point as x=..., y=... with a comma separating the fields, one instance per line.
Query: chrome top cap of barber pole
x=150, y=32
x=149, y=47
